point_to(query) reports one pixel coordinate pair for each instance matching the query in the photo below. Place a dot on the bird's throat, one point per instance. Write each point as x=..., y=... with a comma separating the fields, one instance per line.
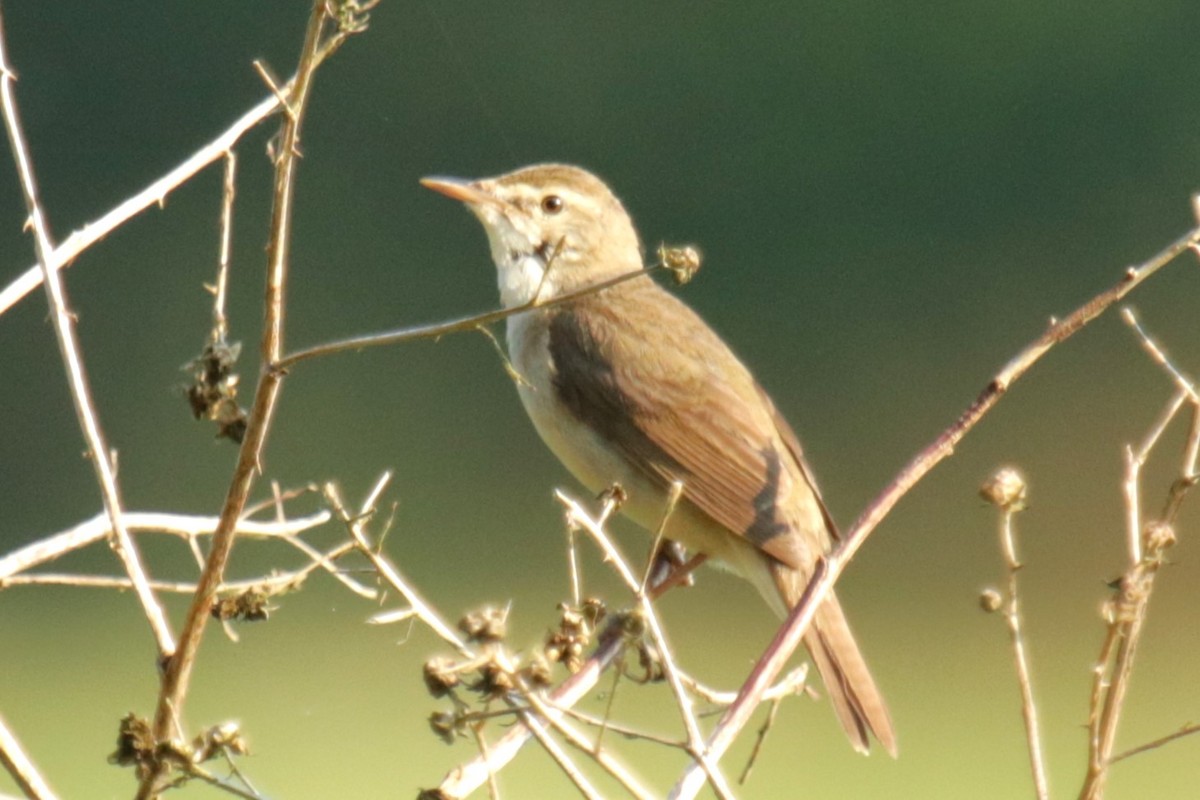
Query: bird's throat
x=520, y=277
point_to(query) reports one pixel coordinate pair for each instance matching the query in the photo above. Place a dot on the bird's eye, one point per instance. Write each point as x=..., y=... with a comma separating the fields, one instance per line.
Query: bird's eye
x=552, y=204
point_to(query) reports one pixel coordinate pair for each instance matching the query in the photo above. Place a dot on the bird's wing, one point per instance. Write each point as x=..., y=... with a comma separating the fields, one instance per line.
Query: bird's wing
x=679, y=405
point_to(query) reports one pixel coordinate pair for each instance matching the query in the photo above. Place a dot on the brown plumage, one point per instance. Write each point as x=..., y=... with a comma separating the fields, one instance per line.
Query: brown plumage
x=630, y=385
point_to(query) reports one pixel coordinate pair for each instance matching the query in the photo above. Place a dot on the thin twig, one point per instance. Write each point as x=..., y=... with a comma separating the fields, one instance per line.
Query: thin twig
x=1158, y=355
x=578, y=740
x=481, y=741
x=827, y=571
x=537, y=727
x=20, y=766
x=355, y=524
x=1134, y=460
x=618, y=729
x=68, y=345
x=760, y=738
x=228, y=192
x=1186, y=730
x=196, y=771
x=792, y=683
x=439, y=329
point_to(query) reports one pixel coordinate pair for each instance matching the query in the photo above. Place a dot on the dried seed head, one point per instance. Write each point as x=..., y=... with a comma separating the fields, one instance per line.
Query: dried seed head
x=219, y=739
x=135, y=745
x=447, y=725
x=1005, y=489
x=485, y=625
x=683, y=262
x=251, y=605
x=990, y=600
x=495, y=680
x=440, y=676
x=538, y=672
x=1158, y=536
x=614, y=494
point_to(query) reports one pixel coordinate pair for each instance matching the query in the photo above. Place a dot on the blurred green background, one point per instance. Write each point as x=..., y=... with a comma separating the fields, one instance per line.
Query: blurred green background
x=892, y=200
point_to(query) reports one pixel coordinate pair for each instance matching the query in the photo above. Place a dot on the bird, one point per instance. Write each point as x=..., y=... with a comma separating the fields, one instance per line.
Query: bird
x=628, y=385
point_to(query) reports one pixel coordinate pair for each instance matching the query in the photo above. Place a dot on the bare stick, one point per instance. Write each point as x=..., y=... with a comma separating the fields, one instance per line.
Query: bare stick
x=1186, y=730
x=1158, y=355
x=1006, y=490
x=177, y=674
x=228, y=192
x=21, y=767
x=98, y=527
x=1133, y=468
x=827, y=571
x=68, y=345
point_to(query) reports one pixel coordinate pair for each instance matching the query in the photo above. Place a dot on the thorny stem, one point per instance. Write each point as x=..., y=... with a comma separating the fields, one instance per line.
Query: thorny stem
x=178, y=669
x=64, y=328
x=154, y=194
x=827, y=571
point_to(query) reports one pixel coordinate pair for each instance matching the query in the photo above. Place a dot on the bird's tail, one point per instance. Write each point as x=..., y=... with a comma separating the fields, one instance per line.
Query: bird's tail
x=852, y=691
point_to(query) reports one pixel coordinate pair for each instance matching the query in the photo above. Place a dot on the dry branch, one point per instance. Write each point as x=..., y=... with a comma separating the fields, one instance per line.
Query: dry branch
x=826, y=574
x=177, y=670
x=81, y=394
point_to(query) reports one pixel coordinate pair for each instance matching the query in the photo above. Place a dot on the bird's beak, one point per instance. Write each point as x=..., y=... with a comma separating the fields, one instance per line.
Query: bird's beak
x=459, y=189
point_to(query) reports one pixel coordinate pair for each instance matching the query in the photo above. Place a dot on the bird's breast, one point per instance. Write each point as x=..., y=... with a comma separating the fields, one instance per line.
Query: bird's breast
x=574, y=441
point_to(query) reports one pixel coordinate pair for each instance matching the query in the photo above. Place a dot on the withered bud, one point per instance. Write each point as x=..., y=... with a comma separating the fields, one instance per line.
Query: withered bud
x=633, y=625
x=1005, y=489
x=594, y=610
x=440, y=676
x=135, y=744
x=538, y=672
x=614, y=494
x=649, y=662
x=683, y=262
x=447, y=725
x=1158, y=536
x=485, y=625
x=213, y=391
x=218, y=739
x=250, y=605
x=494, y=680
x=990, y=600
